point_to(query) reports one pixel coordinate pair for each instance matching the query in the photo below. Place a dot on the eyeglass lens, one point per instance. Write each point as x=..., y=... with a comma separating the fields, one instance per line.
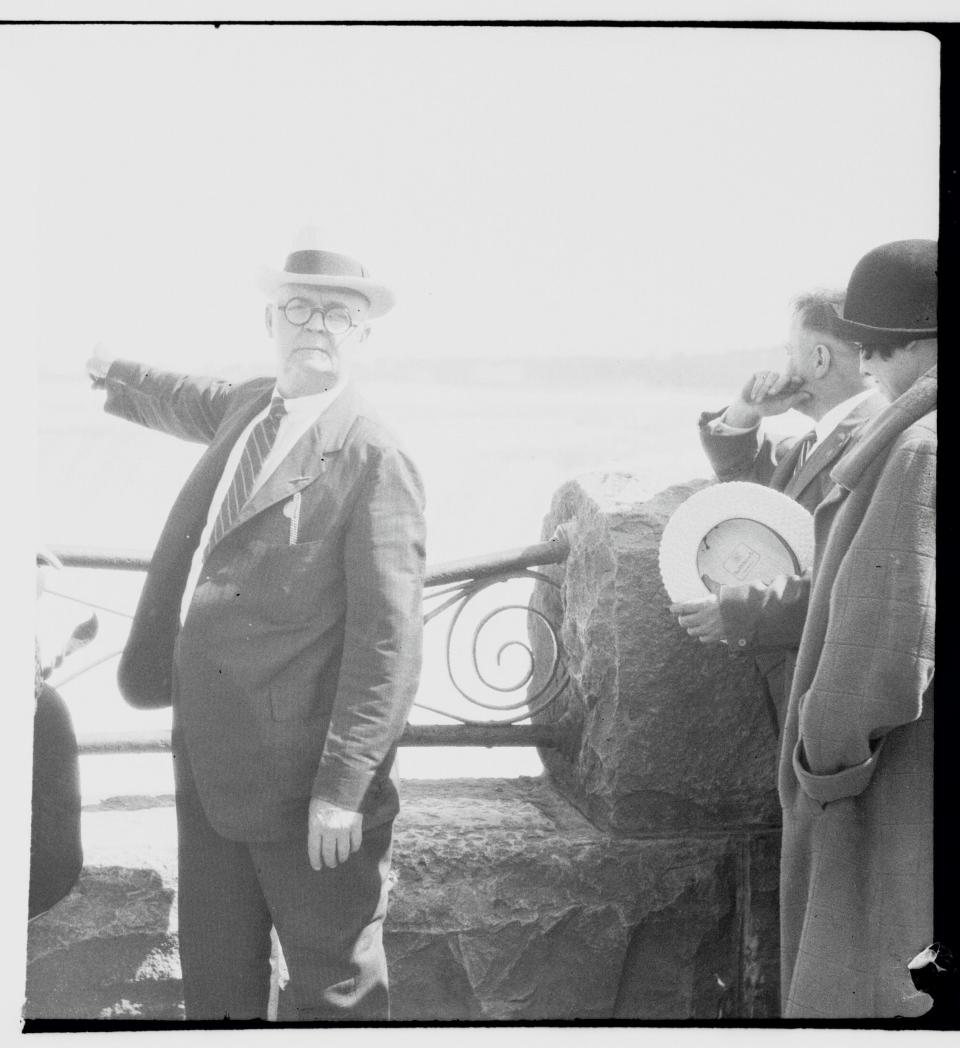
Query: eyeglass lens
x=300, y=312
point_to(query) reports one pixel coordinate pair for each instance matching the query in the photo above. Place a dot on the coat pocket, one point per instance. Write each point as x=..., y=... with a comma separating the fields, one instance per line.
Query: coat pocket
x=291, y=583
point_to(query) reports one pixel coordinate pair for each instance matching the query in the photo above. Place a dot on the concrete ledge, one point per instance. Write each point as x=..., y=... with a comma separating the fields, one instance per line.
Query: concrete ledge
x=508, y=904
x=511, y=905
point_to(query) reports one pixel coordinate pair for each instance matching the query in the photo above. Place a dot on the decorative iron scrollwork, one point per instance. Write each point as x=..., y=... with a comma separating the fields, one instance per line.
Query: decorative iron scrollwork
x=540, y=674
x=503, y=667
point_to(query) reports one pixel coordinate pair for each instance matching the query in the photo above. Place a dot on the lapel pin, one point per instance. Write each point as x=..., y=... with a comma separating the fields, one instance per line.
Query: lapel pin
x=291, y=509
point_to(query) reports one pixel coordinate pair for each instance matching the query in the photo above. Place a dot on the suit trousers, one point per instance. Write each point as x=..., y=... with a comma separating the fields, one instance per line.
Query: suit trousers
x=329, y=922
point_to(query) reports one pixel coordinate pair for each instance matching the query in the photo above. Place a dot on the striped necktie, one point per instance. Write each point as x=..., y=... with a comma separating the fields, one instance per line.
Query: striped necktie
x=805, y=443
x=258, y=446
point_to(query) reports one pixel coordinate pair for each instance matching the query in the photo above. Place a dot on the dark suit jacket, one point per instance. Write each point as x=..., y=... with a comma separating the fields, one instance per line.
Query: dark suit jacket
x=56, y=850
x=768, y=620
x=297, y=664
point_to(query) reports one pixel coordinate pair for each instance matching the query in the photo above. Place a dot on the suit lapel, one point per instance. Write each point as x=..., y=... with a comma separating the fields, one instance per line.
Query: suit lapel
x=820, y=459
x=306, y=460
x=223, y=442
x=190, y=511
x=144, y=672
x=782, y=474
x=823, y=457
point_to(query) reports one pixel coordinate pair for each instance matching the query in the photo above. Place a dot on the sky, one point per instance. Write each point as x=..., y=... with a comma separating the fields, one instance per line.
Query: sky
x=546, y=192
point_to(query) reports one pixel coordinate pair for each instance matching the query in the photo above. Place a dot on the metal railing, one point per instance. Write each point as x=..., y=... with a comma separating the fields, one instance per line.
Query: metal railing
x=460, y=590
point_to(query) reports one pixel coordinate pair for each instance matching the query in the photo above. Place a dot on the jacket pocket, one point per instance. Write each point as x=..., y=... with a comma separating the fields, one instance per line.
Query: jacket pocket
x=291, y=583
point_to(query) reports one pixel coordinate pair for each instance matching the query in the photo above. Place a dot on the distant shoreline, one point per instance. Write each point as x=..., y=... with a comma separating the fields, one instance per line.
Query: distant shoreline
x=678, y=371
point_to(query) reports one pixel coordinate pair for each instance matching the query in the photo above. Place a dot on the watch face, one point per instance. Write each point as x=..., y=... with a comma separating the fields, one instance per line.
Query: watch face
x=739, y=550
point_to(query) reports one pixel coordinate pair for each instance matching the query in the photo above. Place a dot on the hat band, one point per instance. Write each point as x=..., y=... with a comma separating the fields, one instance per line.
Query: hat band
x=323, y=264
x=856, y=330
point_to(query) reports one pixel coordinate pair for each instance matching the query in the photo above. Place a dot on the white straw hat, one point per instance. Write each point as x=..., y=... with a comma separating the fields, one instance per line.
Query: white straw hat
x=733, y=533
x=308, y=264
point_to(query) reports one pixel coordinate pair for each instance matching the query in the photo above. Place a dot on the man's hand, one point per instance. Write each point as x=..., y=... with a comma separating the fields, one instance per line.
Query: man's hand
x=97, y=367
x=701, y=618
x=333, y=834
x=765, y=393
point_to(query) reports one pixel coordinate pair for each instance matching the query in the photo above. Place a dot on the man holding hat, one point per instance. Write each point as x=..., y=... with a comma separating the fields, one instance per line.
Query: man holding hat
x=281, y=618
x=856, y=768
x=822, y=380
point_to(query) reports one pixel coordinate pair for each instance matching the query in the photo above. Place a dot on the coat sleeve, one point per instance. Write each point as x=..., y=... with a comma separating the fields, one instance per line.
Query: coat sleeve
x=877, y=659
x=384, y=564
x=758, y=617
x=184, y=406
x=747, y=455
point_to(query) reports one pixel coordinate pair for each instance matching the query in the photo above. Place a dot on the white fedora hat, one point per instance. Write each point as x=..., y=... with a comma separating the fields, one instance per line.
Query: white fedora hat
x=733, y=533
x=319, y=268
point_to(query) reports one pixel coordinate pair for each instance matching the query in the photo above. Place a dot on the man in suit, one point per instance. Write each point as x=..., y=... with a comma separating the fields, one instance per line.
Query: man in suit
x=281, y=618
x=822, y=380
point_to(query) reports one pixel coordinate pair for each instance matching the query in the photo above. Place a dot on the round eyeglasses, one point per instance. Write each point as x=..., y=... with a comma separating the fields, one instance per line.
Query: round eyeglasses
x=336, y=320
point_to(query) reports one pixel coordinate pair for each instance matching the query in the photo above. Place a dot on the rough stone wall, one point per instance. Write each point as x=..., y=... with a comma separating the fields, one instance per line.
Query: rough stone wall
x=510, y=905
x=665, y=739
x=507, y=904
x=109, y=949
x=669, y=733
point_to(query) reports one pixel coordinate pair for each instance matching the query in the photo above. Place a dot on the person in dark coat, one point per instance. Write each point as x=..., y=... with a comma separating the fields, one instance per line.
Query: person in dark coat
x=821, y=380
x=56, y=852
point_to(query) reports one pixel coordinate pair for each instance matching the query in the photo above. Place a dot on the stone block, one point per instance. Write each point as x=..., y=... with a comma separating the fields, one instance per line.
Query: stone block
x=109, y=949
x=665, y=735
x=509, y=905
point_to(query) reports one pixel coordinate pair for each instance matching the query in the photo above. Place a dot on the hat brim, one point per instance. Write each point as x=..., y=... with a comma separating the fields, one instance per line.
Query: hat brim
x=731, y=501
x=856, y=332
x=380, y=297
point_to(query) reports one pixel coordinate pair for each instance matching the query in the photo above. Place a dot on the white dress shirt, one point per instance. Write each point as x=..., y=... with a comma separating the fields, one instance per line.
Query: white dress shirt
x=301, y=413
x=834, y=417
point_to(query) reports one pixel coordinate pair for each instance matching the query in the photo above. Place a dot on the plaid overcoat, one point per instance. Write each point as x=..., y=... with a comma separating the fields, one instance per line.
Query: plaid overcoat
x=856, y=765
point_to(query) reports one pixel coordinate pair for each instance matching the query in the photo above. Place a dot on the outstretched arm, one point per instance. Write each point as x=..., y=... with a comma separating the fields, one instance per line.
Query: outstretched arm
x=184, y=406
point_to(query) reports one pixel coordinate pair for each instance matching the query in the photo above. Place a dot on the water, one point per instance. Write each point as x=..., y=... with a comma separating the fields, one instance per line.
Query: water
x=493, y=440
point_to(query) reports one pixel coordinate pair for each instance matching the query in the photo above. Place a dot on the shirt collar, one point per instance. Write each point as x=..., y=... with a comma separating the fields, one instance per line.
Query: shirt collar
x=837, y=414
x=312, y=405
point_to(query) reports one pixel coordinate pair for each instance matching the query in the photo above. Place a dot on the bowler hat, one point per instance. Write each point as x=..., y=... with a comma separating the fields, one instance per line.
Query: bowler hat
x=318, y=268
x=892, y=295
